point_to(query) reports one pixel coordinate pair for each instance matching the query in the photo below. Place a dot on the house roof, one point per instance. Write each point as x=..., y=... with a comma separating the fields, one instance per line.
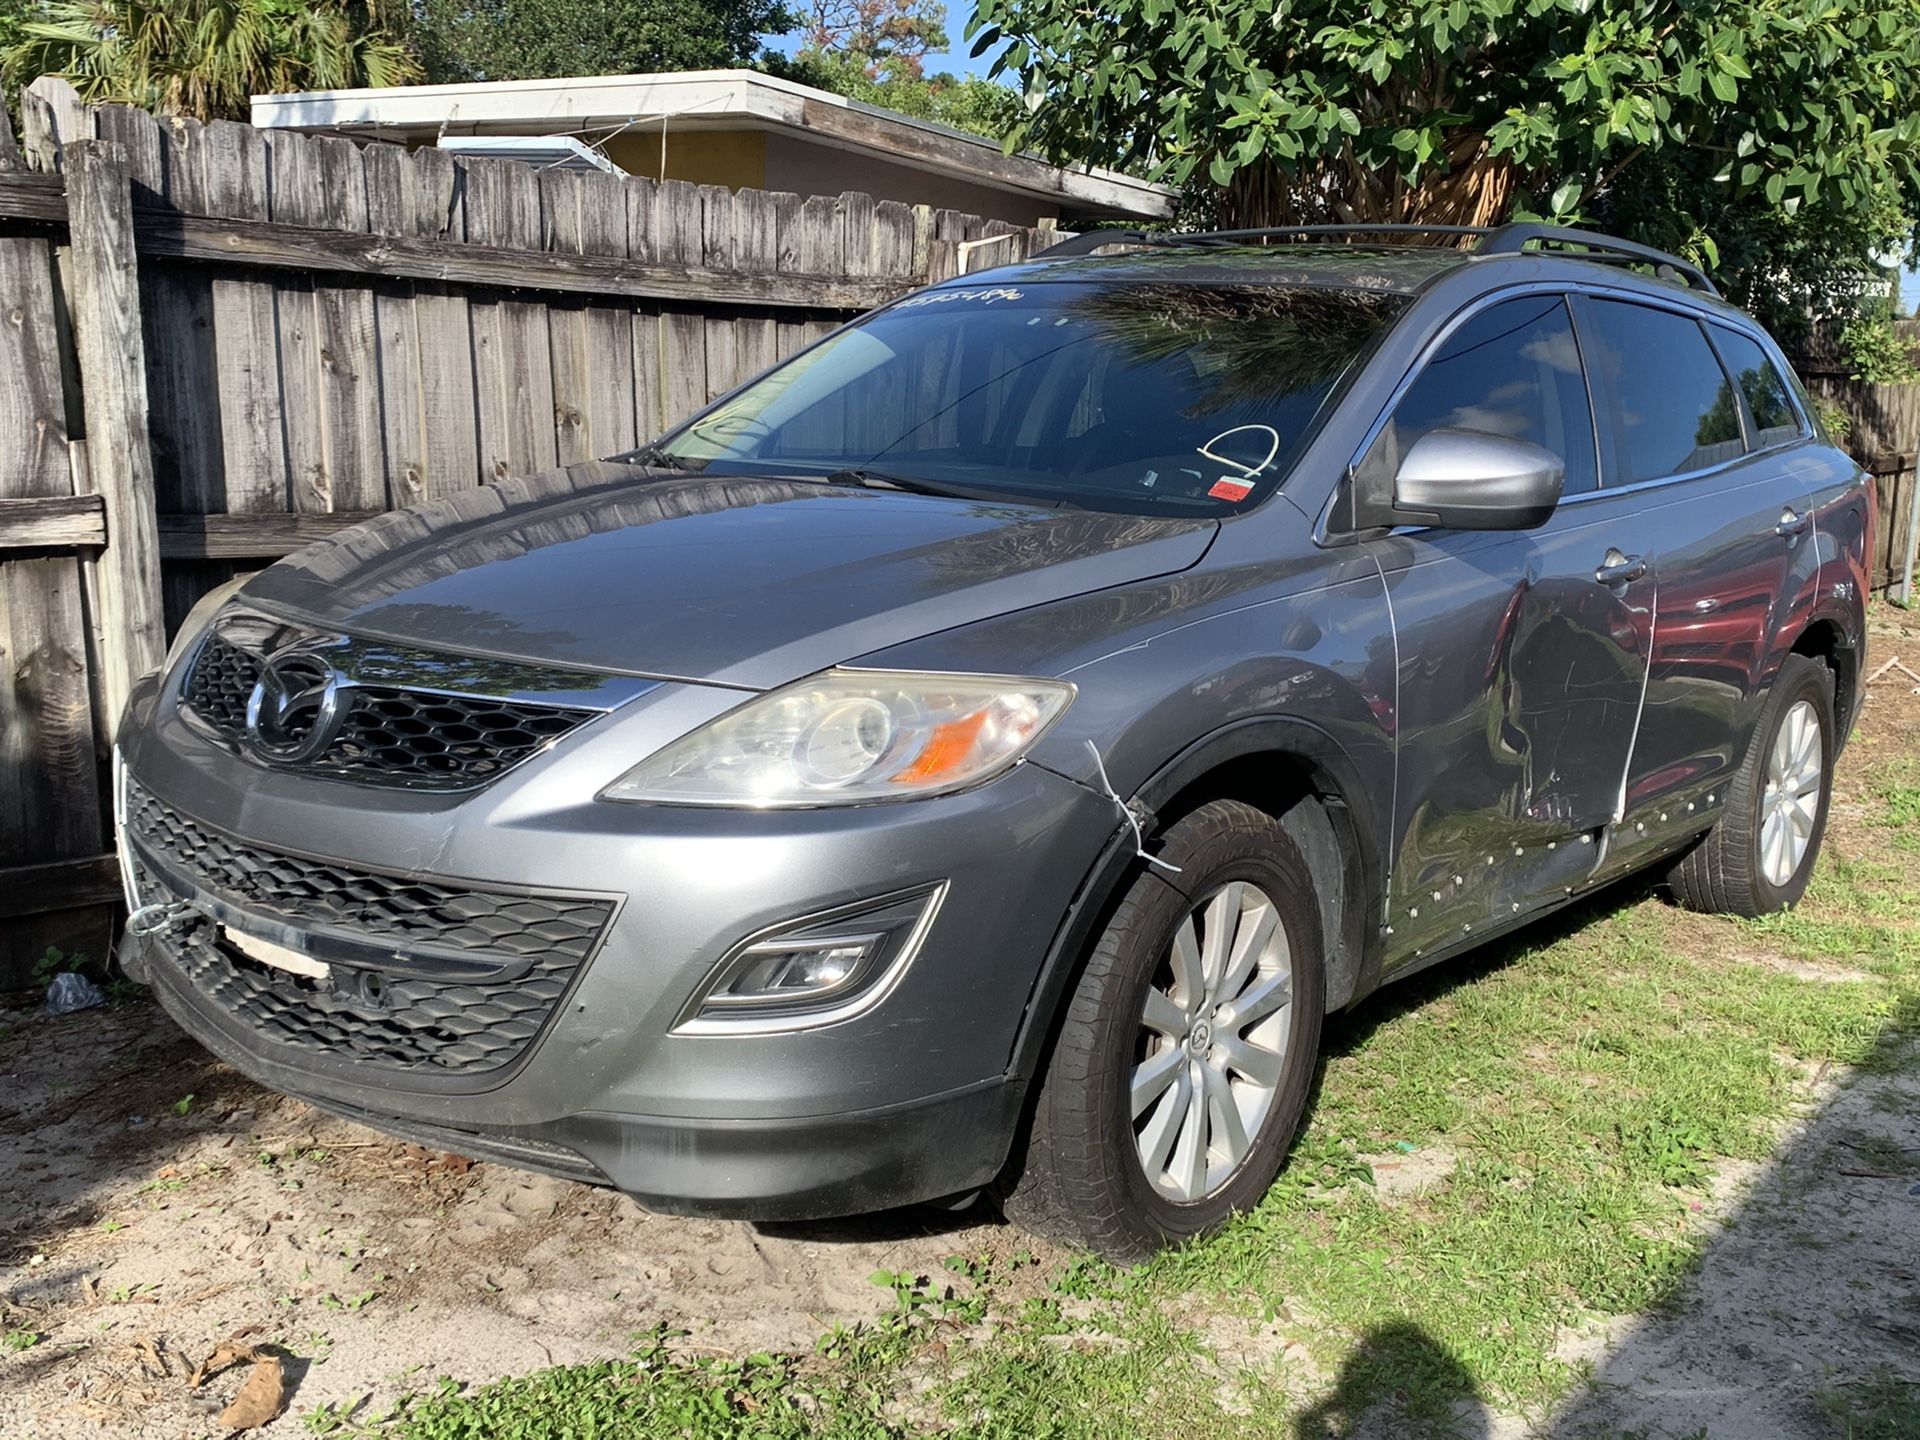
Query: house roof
x=598, y=106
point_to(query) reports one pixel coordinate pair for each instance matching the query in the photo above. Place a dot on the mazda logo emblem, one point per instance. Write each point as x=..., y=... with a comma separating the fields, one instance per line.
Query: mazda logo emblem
x=296, y=708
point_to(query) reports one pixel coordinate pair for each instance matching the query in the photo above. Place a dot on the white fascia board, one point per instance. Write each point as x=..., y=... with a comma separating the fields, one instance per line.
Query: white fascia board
x=607, y=102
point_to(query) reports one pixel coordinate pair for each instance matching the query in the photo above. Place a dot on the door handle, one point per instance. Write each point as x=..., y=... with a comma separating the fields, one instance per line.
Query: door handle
x=1618, y=569
x=1792, y=522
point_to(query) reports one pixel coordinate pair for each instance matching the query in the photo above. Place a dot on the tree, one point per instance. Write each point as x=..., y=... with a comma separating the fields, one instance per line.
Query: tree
x=874, y=51
x=982, y=107
x=205, y=58
x=889, y=38
x=532, y=39
x=13, y=15
x=1772, y=139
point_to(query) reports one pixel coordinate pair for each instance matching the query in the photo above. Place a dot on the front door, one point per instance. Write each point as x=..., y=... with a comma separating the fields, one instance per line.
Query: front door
x=1522, y=655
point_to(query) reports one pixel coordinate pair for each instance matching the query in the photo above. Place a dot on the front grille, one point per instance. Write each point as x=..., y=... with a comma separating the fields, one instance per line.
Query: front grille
x=390, y=734
x=217, y=688
x=397, y=1018
x=388, y=907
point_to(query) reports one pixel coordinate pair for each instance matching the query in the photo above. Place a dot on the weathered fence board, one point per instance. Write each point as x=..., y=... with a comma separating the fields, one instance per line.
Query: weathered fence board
x=245, y=325
x=50, y=792
x=105, y=300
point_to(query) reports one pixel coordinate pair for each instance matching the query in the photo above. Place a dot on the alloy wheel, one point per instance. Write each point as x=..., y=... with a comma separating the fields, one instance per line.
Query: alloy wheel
x=1213, y=1042
x=1790, y=806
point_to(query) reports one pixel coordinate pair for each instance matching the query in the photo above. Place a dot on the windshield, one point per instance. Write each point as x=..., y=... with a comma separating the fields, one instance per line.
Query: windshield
x=1146, y=398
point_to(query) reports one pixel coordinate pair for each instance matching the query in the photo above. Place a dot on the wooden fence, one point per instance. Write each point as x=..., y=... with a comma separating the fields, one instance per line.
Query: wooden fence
x=221, y=343
x=1884, y=436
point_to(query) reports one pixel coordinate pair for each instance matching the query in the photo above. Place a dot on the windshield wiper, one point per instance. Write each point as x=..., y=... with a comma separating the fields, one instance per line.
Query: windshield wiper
x=869, y=479
x=653, y=457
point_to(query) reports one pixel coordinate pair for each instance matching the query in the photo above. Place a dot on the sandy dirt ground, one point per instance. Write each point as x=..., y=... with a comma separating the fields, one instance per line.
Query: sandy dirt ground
x=154, y=1203
x=135, y=1238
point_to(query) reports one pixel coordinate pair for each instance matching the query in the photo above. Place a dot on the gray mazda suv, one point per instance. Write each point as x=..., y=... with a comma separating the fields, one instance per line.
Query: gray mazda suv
x=975, y=756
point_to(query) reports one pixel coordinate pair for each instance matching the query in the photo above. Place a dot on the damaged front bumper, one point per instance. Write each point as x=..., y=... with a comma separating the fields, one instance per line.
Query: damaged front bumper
x=502, y=975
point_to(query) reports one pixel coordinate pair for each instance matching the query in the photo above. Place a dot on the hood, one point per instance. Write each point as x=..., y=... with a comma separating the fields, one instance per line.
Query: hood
x=737, y=581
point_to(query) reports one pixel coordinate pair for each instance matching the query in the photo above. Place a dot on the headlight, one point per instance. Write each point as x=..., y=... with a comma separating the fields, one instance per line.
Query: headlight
x=851, y=736
x=198, y=618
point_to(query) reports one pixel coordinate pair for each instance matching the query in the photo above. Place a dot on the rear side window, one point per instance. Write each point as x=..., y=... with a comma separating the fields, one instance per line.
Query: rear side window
x=1512, y=370
x=1673, y=407
x=1775, y=421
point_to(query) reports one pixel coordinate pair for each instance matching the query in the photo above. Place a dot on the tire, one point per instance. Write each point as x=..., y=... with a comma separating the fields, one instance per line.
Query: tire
x=1740, y=867
x=1083, y=1177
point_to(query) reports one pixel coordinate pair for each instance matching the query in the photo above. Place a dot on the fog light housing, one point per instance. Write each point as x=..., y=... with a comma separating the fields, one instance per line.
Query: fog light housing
x=816, y=970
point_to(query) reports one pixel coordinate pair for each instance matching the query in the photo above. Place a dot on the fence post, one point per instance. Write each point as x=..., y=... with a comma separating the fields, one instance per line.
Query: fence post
x=922, y=244
x=105, y=304
x=51, y=115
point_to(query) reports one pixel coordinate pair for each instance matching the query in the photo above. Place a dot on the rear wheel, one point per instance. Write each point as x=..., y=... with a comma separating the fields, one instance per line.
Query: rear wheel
x=1760, y=854
x=1185, y=1057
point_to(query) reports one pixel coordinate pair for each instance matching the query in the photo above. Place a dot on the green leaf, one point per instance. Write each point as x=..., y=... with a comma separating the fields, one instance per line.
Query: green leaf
x=1725, y=88
x=1563, y=199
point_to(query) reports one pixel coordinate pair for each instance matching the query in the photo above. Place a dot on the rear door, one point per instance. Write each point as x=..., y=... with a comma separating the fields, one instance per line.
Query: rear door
x=1522, y=655
x=1702, y=441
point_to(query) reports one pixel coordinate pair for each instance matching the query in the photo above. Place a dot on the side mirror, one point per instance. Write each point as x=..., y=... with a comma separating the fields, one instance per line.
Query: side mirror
x=1464, y=480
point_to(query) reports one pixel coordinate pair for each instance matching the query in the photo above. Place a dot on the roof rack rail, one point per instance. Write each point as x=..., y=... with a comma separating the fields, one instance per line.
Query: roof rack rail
x=1513, y=239
x=1089, y=240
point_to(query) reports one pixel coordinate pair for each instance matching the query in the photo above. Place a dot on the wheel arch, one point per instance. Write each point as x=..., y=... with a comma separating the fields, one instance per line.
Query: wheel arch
x=1286, y=766
x=1826, y=637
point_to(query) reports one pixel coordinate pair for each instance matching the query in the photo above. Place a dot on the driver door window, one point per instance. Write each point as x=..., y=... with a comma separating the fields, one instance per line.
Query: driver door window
x=1512, y=370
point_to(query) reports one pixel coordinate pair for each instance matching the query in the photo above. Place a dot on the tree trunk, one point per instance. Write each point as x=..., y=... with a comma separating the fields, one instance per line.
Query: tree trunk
x=1470, y=188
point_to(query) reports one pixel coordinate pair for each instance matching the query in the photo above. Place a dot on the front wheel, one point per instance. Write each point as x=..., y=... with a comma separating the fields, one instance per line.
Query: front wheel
x=1760, y=854
x=1187, y=1051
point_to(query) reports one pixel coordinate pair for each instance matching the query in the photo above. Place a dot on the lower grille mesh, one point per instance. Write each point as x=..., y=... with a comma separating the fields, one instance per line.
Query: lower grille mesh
x=387, y=906
x=394, y=1019
x=398, y=1022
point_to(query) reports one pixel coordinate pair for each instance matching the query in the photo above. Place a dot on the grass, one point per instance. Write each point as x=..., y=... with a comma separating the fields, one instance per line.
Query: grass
x=1881, y=1406
x=1583, y=1083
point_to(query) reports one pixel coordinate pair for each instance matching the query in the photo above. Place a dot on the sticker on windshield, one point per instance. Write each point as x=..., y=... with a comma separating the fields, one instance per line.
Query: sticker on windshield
x=985, y=294
x=1228, y=488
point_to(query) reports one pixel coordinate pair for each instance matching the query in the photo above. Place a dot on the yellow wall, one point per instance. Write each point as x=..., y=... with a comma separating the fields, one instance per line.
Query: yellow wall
x=736, y=159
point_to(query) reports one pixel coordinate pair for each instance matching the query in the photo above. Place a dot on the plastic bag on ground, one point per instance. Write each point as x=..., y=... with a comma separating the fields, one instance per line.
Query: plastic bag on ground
x=71, y=992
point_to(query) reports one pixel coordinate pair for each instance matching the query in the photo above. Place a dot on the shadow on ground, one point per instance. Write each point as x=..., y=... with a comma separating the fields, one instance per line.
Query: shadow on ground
x=1800, y=1322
